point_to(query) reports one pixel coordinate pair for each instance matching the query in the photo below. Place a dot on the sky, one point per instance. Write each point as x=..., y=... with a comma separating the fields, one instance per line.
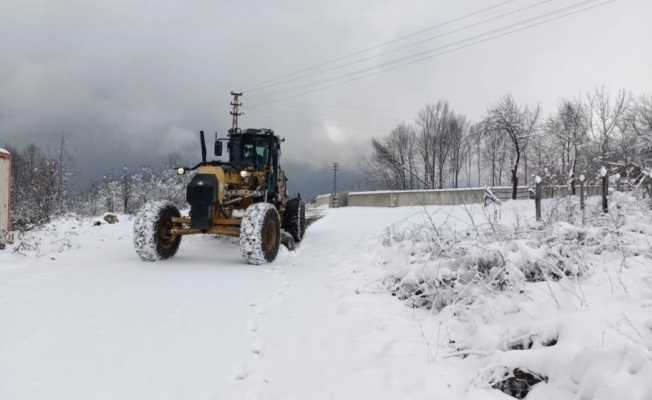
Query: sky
x=128, y=82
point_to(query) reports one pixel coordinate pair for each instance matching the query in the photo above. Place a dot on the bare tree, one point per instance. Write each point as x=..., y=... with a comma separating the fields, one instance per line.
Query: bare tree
x=643, y=112
x=35, y=192
x=477, y=135
x=427, y=123
x=568, y=127
x=604, y=118
x=518, y=125
x=434, y=142
x=442, y=139
x=65, y=167
x=411, y=140
x=472, y=149
x=392, y=163
x=491, y=150
x=642, y=125
x=627, y=142
x=494, y=151
x=125, y=183
x=458, y=144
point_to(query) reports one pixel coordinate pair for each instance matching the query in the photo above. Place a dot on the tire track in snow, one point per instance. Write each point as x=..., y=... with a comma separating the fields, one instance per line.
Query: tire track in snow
x=247, y=372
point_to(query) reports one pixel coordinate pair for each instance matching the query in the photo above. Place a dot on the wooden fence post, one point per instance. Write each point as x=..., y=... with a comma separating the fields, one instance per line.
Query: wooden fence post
x=537, y=197
x=605, y=189
x=582, y=179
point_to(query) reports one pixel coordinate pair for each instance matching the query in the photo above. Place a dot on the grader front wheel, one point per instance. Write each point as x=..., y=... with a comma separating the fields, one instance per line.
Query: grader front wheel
x=260, y=233
x=152, y=238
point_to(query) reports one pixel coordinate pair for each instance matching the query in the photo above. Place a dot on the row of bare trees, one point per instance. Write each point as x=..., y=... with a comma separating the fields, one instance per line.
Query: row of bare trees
x=127, y=192
x=42, y=186
x=442, y=149
x=412, y=157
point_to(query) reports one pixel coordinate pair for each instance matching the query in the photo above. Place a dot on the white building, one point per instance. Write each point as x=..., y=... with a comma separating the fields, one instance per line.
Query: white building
x=5, y=184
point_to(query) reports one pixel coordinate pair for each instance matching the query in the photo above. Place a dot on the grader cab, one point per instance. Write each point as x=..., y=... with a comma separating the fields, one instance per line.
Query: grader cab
x=243, y=197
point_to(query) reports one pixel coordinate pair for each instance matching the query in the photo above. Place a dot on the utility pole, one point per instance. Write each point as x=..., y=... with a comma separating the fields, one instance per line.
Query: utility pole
x=235, y=113
x=334, y=197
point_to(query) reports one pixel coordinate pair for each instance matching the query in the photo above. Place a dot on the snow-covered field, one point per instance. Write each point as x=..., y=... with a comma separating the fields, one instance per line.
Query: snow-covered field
x=82, y=317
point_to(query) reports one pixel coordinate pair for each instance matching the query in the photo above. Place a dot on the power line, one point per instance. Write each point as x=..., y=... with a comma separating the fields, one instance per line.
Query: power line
x=426, y=55
x=336, y=116
x=377, y=46
x=339, y=66
x=379, y=121
x=344, y=108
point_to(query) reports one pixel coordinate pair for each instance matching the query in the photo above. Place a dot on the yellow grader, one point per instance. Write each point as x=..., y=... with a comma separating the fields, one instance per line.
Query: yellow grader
x=243, y=197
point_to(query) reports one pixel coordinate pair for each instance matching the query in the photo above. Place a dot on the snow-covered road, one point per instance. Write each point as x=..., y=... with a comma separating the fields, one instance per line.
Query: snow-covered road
x=96, y=322
x=85, y=318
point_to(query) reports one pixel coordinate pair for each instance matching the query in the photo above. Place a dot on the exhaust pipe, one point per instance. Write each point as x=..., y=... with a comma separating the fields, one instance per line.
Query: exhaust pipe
x=203, y=146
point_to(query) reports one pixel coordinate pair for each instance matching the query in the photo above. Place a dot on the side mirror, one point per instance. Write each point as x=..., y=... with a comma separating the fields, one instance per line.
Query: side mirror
x=218, y=148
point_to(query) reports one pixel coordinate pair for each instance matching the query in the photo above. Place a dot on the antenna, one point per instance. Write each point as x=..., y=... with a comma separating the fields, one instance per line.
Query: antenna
x=235, y=112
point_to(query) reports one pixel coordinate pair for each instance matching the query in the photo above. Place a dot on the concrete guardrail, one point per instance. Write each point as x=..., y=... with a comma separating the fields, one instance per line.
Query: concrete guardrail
x=441, y=197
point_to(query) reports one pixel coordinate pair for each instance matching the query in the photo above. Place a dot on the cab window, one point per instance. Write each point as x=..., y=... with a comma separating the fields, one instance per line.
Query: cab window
x=255, y=153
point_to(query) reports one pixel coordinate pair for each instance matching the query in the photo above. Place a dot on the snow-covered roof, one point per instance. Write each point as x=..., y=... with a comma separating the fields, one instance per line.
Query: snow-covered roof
x=4, y=152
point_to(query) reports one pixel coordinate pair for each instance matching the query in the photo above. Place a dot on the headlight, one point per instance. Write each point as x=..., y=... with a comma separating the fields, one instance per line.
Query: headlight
x=181, y=171
x=245, y=174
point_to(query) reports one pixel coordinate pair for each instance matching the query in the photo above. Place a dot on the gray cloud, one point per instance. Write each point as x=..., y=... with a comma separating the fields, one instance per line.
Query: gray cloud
x=130, y=81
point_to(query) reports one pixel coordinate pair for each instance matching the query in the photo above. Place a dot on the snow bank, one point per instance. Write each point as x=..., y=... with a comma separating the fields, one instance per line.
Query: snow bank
x=539, y=310
x=514, y=308
x=63, y=234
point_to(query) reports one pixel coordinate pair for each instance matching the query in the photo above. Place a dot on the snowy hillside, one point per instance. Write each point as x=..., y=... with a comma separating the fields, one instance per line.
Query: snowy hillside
x=405, y=303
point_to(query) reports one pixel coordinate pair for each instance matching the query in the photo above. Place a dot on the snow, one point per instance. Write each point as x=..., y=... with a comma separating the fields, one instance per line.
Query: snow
x=603, y=171
x=83, y=317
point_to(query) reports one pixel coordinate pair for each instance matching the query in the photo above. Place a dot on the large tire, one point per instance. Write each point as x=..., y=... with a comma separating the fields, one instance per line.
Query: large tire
x=260, y=233
x=294, y=218
x=152, y=238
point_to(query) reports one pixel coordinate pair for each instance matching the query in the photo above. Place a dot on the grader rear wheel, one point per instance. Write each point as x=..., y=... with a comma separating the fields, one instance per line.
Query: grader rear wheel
x=294, y=218
x=260, y=233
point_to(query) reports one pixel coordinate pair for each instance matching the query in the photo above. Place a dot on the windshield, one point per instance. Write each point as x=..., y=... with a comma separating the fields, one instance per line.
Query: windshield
x=248, y=151
x=256, y=154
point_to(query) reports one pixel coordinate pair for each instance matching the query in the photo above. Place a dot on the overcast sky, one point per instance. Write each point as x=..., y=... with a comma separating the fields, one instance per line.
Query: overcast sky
x=130, y=81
